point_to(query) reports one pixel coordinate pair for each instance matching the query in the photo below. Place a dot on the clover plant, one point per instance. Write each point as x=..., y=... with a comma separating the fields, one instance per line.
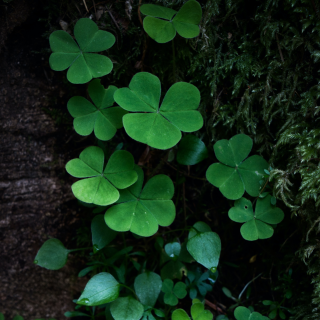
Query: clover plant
x=162, y=23
x=142, y=210
x=79, y=56
x=123, y=279
x=99, y=117
x=242, y=313
x=197, y=312
x=257, y=224
x=101, y=185
x=159, y=127
x=173, y=292
x=235, y=174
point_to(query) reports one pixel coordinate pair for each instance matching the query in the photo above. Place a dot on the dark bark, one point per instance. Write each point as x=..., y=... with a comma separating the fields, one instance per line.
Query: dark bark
x=33, y=191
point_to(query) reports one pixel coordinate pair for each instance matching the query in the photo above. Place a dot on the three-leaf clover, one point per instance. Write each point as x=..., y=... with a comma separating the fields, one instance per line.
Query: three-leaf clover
x=142, y=210
x=84, y=64
x=159, y=127
x=173, y=292
x=234, y=174
x=162, y=23
x=256, y=223
x=243, y=313
x=197, y=312
x=196, y=282
x=99, y=117
x=101, y=186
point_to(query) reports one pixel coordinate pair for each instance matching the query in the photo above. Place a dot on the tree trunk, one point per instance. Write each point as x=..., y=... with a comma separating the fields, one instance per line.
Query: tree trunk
x=33, y=197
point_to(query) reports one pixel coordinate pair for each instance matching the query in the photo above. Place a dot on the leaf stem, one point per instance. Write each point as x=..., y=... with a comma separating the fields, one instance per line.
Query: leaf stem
x=79, y=249
x=123, y=285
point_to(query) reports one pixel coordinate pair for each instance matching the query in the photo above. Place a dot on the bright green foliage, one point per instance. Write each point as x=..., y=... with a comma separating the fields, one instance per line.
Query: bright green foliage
x=101, y=186
x=257, y=224
x=162, y=30
x=101, y=233
x=173, y=249
x=197, y=312
x=147, y=287
x=84, y=64
x=142, y=210
x=159, y=127
x=242, y=313
x=101, y=288
x=52, y=255
x=173, y=292
x=191, y=150
x=99, y=117
x=126, y=308
x=235, y=175
x=204, y=247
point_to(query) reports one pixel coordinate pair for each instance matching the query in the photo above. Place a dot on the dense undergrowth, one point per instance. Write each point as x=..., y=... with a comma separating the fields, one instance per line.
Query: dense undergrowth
x=256, y=64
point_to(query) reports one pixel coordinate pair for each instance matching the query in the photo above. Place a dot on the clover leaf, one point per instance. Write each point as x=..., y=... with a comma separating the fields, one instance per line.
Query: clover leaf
x=159, y=127
x=197, y=312
x=257, y=224
x=84, y=64
x=162, y=27
x=173, y=292
x=99, y=117
x=142, y=210
x=173, y=250
x=101, y=186
x=234, y=174
x=242, y=313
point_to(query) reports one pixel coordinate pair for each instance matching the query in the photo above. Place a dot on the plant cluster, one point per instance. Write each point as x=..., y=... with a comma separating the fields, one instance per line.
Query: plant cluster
x=254, y=68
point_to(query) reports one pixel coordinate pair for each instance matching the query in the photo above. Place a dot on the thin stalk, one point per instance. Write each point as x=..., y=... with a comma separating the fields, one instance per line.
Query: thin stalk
x=123, y=285
x=73, y=250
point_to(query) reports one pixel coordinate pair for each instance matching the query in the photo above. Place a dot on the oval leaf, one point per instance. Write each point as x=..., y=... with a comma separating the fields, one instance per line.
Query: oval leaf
x=101, y=288
x=52, y=255
x=191, y=150
x=126, y=308
x=205, y=248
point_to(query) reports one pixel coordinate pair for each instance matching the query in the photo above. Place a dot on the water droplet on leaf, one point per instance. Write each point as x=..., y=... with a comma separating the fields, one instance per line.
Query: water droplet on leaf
x=95, y=248
x=213, y=269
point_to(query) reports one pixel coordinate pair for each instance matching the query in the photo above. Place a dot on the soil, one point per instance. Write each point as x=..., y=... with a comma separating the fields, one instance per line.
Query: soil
x=34, y=191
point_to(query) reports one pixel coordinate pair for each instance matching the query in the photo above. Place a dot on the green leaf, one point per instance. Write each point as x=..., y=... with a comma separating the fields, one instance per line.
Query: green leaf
x=173, y=249
x=242, y=313
x=1, y=316
x=101, y=186
x=205, y=248
x=147, y=287
x=198, y=312
x=17, y=317
x=180, y=290
x=256, y=224
x=142, y=212
x=159, y=127
x=200, y=226
x=191, y=150
x=236, y=174
x=164, y=29
x=101, y=288
x=227, y=292
x=52, y=255
x=84, y=65
x=70, y=314
x=99, y=117
x=102, y=235
x=179, y=314
x=126, y=308
x=85, y=271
